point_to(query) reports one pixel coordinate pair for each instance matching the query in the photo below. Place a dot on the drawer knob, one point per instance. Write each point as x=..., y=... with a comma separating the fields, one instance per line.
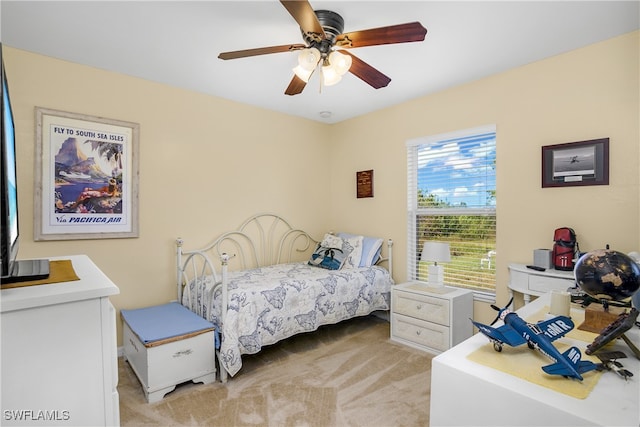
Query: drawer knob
x=418, y=332
x=419, y=306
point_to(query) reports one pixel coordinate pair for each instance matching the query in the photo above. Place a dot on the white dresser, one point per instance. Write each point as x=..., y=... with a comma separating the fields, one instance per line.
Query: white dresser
x=430, y=319
x=59, y=354
x=531, y=282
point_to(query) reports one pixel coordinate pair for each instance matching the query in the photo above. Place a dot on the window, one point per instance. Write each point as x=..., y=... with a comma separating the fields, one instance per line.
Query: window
x=452, y=198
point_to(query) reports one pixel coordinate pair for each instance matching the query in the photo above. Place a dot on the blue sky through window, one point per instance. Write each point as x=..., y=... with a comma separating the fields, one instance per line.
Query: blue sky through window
x=459, y=171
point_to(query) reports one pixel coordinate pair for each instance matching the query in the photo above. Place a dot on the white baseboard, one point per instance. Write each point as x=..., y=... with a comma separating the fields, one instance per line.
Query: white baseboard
x=120, y=352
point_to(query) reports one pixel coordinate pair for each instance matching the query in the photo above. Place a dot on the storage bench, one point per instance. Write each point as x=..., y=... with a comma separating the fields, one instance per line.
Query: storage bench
x=167, y=345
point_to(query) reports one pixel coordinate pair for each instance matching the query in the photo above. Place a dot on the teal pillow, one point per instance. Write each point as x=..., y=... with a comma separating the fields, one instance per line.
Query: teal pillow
x=329, y=258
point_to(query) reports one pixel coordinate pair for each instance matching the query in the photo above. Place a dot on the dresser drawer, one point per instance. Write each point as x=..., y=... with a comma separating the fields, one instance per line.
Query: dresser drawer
x=424, y=334
x=422, y=307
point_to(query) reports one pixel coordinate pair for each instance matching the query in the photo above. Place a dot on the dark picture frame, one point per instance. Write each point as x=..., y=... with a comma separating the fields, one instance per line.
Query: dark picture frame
x=575, y=164
x=364, y=184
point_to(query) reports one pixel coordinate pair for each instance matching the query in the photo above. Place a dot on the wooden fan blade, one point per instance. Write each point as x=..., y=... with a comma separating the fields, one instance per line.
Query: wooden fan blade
x=402, y=33
x=260, y=51
x=366, y=72
x=304, y=15
x=296, y=86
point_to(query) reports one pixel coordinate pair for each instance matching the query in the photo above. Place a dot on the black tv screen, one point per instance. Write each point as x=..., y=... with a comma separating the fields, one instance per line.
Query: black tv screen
x=9, y=188
x=12, y=269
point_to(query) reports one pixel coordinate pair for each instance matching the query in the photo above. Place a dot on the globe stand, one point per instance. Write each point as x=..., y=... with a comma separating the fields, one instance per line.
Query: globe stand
x=599, y=317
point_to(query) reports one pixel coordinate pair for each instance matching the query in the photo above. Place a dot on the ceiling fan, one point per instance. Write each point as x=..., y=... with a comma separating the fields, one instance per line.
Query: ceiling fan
x=322, y=33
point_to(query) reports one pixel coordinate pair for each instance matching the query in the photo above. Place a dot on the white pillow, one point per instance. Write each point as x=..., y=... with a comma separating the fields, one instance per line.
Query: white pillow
x=371, y=249
x=331, y=241
x=353, y=260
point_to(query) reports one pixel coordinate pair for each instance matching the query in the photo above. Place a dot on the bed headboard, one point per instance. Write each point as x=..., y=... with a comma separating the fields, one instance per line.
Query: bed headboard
x=261, y=240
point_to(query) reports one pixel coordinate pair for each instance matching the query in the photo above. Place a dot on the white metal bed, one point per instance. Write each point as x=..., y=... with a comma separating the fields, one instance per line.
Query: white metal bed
x=265, y=290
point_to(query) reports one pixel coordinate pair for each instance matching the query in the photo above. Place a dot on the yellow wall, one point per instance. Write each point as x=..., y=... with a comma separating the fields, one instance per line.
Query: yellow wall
x=207, y=163
x=584, y=94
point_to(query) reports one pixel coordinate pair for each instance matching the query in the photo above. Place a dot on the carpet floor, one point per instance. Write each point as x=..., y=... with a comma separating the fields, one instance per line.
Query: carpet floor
x=349, y=374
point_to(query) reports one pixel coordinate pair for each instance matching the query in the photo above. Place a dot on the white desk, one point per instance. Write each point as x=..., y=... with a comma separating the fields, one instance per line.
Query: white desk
x=531, y=282
x=465, y=393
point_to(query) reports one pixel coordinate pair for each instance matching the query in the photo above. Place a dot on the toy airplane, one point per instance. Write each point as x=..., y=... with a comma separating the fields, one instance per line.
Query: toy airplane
x=539, y=336
x=610, y=363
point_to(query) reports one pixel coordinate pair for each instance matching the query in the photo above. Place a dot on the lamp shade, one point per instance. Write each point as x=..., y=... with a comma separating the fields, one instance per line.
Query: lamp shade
x=435, y=252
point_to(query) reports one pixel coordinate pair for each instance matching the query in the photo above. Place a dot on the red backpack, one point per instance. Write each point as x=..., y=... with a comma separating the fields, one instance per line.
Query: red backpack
x=565, y=249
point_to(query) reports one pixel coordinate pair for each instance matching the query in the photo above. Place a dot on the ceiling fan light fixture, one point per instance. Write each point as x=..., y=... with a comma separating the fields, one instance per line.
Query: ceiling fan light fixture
x=330, y=76
x=309, y=58
x=340, y=62
x=302, y=73
x=324, y=32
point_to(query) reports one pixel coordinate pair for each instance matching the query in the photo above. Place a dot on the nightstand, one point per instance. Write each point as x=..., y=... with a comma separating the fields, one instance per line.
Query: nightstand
x=428, y=318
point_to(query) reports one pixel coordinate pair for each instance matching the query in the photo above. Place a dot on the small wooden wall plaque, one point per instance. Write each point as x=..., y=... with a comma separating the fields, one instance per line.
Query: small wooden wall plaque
x=364, y=184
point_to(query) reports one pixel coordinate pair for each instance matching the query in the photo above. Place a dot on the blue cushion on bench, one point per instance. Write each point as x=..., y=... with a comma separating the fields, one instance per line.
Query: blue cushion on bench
x=161, y=322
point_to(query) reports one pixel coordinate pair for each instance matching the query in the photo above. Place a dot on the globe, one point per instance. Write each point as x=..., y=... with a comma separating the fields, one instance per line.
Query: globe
x=606, y=274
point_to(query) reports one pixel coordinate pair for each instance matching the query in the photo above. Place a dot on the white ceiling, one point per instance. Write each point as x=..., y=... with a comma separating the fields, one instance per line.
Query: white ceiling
x=177, y=43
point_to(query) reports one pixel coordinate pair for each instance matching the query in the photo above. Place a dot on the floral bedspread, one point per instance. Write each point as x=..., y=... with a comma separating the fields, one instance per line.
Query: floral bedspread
x=272, y=303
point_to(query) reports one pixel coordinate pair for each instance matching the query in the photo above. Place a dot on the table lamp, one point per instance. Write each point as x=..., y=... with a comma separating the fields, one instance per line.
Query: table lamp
x=435, y=252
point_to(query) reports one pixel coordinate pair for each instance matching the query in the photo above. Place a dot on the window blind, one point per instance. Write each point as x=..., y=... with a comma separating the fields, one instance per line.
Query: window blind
x=451, y=184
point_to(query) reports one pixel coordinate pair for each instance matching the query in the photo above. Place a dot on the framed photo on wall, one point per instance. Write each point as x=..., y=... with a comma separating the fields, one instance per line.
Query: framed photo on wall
x=86, y=177
x=576, y=163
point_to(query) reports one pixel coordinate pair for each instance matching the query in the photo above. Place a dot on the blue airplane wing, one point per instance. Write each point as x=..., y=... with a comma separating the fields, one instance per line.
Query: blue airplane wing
x=504, y=334
x=557, y=327
x=572, y=360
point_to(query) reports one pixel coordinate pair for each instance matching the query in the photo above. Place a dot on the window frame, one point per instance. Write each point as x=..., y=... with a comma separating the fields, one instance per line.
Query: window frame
x=414, y=212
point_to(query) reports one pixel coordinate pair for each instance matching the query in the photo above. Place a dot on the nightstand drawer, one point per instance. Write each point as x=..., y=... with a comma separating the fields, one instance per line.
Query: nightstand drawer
x=421, y=307
x=420, y=332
